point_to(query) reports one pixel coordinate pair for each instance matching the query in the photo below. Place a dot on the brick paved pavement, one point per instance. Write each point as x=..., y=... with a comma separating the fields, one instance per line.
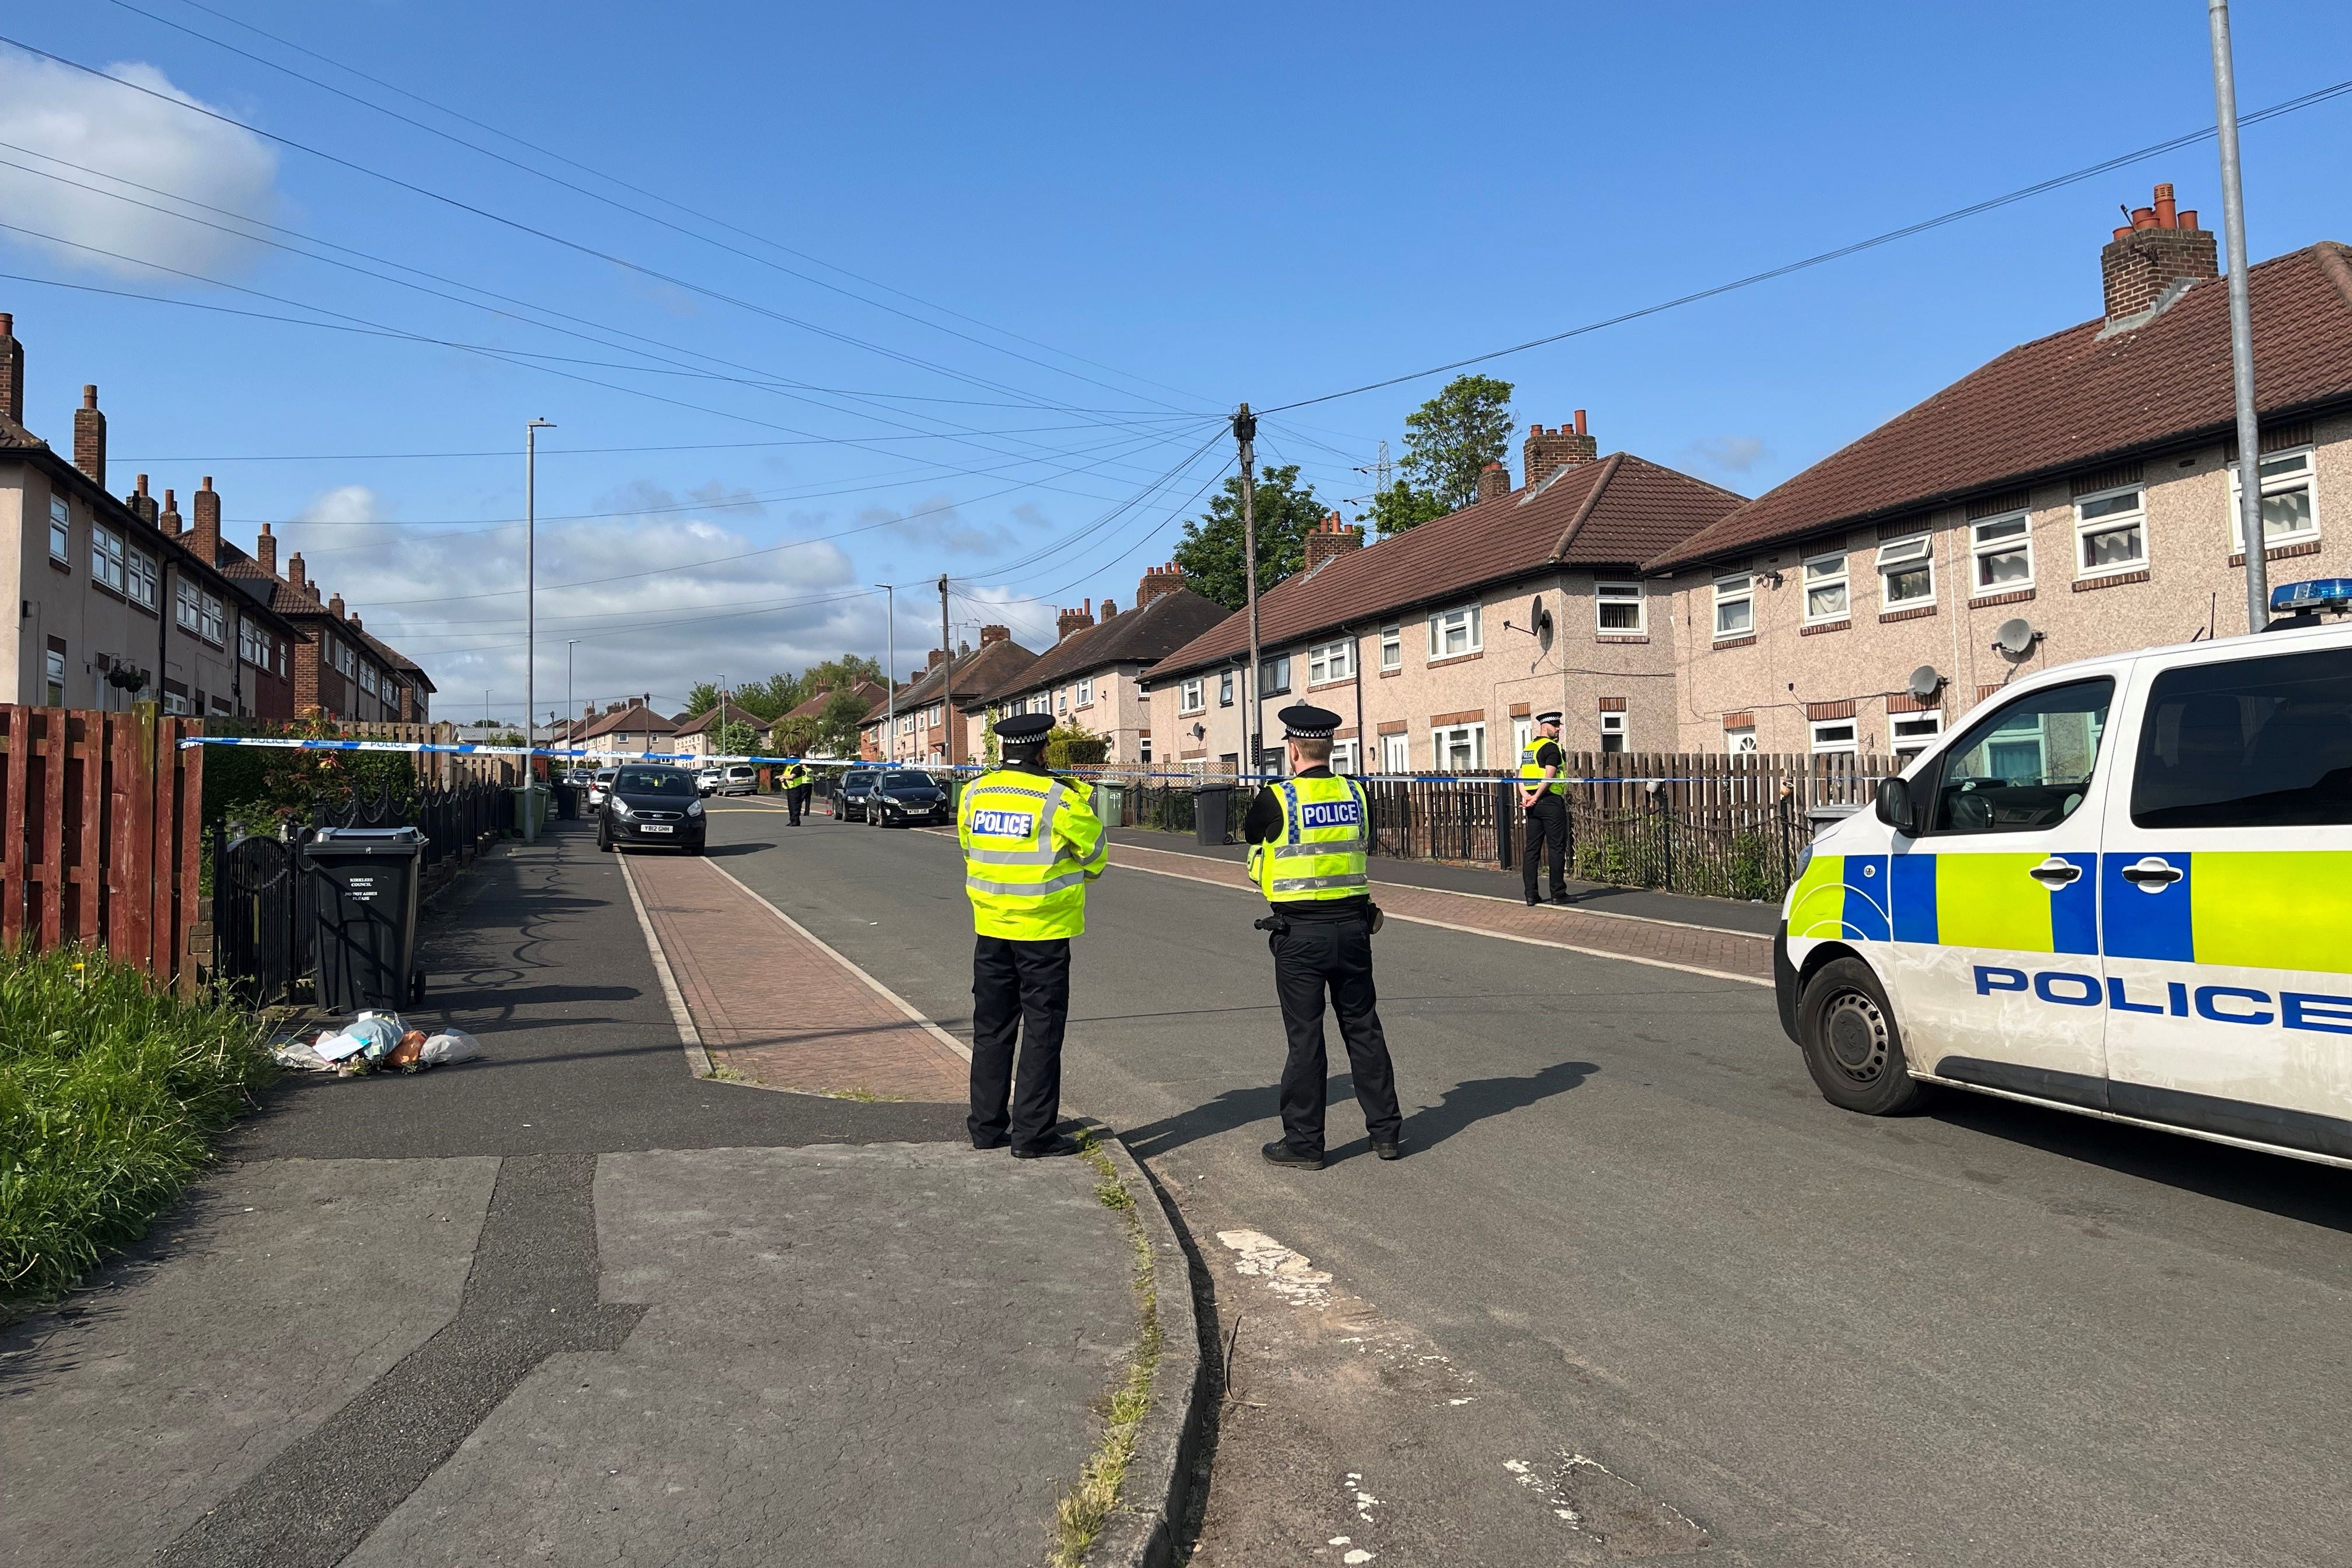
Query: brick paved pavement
x=773, y=1005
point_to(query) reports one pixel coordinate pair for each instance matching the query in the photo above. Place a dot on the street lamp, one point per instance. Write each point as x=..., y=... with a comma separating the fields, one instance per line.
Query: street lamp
x=571, y=740
x=530, y=619
x=890, y=676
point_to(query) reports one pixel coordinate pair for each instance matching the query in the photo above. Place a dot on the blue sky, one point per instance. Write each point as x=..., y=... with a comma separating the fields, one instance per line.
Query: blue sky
x=1027, y=261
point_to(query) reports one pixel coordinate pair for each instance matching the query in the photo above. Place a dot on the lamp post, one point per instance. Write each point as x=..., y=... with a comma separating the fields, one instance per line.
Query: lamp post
x=891, y=675
x=571, y=724
x=2241, y=324
x=530, y=620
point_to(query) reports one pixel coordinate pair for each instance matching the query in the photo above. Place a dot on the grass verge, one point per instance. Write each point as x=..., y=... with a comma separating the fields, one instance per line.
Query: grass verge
x=1078, y=1517
x=110, y=1095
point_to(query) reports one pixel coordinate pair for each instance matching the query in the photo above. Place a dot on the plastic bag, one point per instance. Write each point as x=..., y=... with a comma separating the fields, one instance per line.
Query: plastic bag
x=404, y=1055
x=449, y=1046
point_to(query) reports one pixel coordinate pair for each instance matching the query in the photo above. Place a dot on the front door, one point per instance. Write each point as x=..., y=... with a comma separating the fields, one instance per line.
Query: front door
x=2227, y=900
x=1995, y=966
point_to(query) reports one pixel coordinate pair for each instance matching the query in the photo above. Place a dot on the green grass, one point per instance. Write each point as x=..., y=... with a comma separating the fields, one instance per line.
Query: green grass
x=1079, y=1518
x=109, y=1096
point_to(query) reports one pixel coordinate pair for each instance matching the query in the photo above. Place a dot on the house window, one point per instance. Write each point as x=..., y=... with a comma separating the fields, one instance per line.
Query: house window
x=1452, y=633
x=1192, y=696
x=1618, y=606
x=188, y=606
x=2111, y=533
x=1273, y=675
x=2003, y=551
x=252, y=644
x=1143, y=751
x=1741, y=742
x=1459, y=747
x=1735, y=606
x=1396, y=753
x=1833, y=737
x=1331, y=661
x=1062, y=698
x=1343, y=756
x=1523, y=735
x=105, y=556
x=60, y=532
x=139, y=578
x=1906, y=573
x=1612, y=731
x=1392, y=648
x=215, y=627
x=2288, y=513
x=1087, y=692
x=367, y=679
x=905, y=724
x=53, y=674
x=1825, y=590
x=1912, y=734
x=1226, y=689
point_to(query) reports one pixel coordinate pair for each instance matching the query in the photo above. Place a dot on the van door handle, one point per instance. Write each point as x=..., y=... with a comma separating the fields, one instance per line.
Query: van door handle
x=2151, y=875
x=2054, y=873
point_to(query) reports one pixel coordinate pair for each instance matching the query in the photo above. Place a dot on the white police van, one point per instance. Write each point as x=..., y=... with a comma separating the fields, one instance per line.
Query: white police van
x=2122, y=887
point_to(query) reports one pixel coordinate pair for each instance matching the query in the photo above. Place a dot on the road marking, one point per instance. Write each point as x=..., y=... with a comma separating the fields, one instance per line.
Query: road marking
x=698, y=1060
x=958, y=1047
x=1287, y=1273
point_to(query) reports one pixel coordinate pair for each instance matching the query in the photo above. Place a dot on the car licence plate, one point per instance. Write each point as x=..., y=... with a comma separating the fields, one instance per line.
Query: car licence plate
x=657, y=828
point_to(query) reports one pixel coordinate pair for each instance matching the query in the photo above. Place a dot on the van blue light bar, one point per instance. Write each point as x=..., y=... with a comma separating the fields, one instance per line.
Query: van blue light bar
x=2319, y=593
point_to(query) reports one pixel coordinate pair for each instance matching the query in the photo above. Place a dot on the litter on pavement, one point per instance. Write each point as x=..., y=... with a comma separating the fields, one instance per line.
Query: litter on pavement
x=374, y=1040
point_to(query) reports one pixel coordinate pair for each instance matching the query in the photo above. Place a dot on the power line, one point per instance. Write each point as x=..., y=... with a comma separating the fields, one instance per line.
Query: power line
x=1974, y=209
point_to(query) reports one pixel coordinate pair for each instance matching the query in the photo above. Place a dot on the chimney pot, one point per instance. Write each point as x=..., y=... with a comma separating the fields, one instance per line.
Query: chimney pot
x=1333, y=538
x=2143, y=218
x=1494, y=480
x=335, y=607
x=90, y=394
x=12, y=370
x=994, y=635
x=264, y=550
x=1546, y=454
x=2188, y=217
x=2162, y=245
x=1579, y=421
x=205, y=538
x=2168, y=215
x=89, y=437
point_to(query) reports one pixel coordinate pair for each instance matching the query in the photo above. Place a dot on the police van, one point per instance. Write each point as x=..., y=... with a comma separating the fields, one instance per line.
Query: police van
x=2122, y=887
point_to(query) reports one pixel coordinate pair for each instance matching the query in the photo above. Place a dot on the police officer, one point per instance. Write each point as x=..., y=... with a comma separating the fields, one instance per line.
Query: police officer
x=1307, y=834
x=796, y=790
x=1543, y=795
x=1030, y=844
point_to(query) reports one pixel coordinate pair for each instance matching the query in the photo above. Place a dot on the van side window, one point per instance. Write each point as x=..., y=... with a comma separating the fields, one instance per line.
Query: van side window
x=2028, y=766
x=2254, y=742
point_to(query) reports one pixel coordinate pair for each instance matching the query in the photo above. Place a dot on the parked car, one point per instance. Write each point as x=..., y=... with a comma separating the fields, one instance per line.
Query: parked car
x=599, y=782
x=738, y=778
x=705, y=783
x=648, y=806
x=849, y=795
x=906, y=798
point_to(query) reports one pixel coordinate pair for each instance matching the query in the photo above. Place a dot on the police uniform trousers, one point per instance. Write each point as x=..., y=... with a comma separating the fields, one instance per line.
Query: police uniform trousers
x=796, y=798
x=1547, y=825
x=1313, y=957
x=1018, y=989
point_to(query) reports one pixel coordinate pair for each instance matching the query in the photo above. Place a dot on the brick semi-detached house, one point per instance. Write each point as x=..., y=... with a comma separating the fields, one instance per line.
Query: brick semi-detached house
x=1421, y=643
x=2083, y=483
x=924, y=704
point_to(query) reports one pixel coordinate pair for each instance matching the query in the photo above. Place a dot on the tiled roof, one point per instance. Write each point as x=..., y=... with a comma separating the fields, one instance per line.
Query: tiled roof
x=284, y=597
x=708, y=718
x=974, y=674
x=1615, y=512
x=1140, y=636
x=2071, y=401
x=639, y=720
x=14, y=435
x=871, y=690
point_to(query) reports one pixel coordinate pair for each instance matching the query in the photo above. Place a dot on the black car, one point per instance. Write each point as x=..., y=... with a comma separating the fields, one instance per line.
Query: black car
x=648, y=807
x=849, y=795
x=906, y=798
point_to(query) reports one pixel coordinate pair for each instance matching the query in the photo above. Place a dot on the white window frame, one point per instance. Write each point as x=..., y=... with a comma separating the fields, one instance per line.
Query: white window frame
x=346, y=659
x=1740, y=741
x=1331, y=661
x=906, y=724
x=60, y=532
x=1823, y=572
x=1523, y=735
x=140, y=579
x=1896, y=556
x=1225, y=688
x=1193, y=695
x=1738, y=588
x=106, y=557
x=1609, y=596
x=53, y=676
x=1392, y=648
x=1343, y=756
x=1464, y=620
x=2017, y=538
x=2089, y=528
x=252, y=644
x=367, y=679
x=187, y=605
x=2306, y=480
x=1612, y=724
x=1828, y=743
x=1910, y=734
x=1396, y=753
x=1441, y=740
x=1087, y=692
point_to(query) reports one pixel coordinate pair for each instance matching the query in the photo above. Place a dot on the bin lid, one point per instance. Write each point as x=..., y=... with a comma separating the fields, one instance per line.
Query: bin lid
x=366, y=840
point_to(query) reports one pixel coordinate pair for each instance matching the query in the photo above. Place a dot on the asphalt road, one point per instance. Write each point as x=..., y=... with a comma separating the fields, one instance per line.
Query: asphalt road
x=1987, y=1334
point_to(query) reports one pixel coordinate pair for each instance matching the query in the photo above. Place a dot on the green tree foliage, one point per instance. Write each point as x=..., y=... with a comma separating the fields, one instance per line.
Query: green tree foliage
x=837, y=721
x=1451, y=438
x=735, y=737
x=1401, y=506
x=1211, y=551
x=1075, y=746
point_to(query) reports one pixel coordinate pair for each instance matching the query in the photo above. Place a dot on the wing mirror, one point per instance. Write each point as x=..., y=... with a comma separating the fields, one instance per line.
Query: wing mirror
x=1897, y=807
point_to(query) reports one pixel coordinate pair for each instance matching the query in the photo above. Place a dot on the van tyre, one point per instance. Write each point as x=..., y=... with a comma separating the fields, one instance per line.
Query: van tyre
x=1852, y=1043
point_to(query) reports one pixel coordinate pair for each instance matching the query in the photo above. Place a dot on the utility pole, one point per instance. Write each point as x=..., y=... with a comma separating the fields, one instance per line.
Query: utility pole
x=2241, y=324
x=530, y=622
x=947, y=673
x=891, y=675
x=1245, y=438
x=571, y=724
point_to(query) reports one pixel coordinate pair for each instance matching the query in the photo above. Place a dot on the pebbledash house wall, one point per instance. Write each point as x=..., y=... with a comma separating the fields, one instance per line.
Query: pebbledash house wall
x=1587, y=673
x=1789, y=674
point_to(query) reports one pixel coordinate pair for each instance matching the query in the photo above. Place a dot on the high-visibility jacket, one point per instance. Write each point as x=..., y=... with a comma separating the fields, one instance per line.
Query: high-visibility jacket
x=1030, y=844
x=795, y=776
x=1531, y=771
x=1320, y=854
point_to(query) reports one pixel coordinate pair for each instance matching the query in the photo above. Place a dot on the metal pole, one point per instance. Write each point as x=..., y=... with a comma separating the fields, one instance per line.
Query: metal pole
x=2241, y=324
x=1246, y=435
x=947, y=675
x=530, y=620
x=890, y=676
x=570, y=707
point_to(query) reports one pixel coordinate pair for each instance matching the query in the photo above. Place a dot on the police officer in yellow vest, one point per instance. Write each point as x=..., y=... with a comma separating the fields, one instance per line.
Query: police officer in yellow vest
x=796, y=790
x=1307, y=834
x=1030, y=844
x=1545, y=800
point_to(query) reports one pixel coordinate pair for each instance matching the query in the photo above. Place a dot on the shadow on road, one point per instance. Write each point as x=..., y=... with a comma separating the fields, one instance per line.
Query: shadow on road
x=720, y=851
x=1465, y=1104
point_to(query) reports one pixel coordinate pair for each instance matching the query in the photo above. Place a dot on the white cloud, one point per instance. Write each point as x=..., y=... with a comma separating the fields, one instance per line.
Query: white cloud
x=935, y=523
x=1728, y=454
x=66, y=115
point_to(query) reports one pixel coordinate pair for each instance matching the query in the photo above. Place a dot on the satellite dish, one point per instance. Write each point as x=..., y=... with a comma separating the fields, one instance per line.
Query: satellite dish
x=1925, y=682
x=2015, y=637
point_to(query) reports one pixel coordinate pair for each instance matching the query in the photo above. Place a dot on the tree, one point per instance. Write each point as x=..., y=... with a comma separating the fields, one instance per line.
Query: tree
x=701, y=698
x=837, y=722
x=1450, y=439
x=1211, y=551
x=1070, y=745
x=1401, y=506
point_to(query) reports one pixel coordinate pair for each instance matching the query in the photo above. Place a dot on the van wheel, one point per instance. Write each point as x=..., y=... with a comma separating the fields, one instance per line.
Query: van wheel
x=1851, y=1045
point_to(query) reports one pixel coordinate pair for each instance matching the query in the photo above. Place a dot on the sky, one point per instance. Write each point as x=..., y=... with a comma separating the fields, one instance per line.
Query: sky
x=821, y=298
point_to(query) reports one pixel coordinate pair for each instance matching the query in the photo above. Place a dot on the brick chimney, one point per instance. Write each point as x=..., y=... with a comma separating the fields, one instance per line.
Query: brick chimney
x=294, y=573
x=2160, y=247
x=355, y=625
x=994, y=635
x=1494, y=479
x=141, y=503
x=1158, y=581
x=1109, y=610
x=170, y=520
x=264, y=550
x=1547, y=452
x=1070, y=621
x=205, y=538
x=12, y=370
x=938, y=656
x=335, y=607
x=588, y=711
x=89, y=437
x=1332, y=538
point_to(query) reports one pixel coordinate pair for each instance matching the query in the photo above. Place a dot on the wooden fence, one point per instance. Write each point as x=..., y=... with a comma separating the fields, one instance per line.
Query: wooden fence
x=100, y=823
x=440, y=768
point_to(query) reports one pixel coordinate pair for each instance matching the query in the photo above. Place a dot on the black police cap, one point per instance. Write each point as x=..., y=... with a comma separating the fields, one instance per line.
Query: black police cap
x=1305, y=721
x=1028, y=730
x=1548, y=718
